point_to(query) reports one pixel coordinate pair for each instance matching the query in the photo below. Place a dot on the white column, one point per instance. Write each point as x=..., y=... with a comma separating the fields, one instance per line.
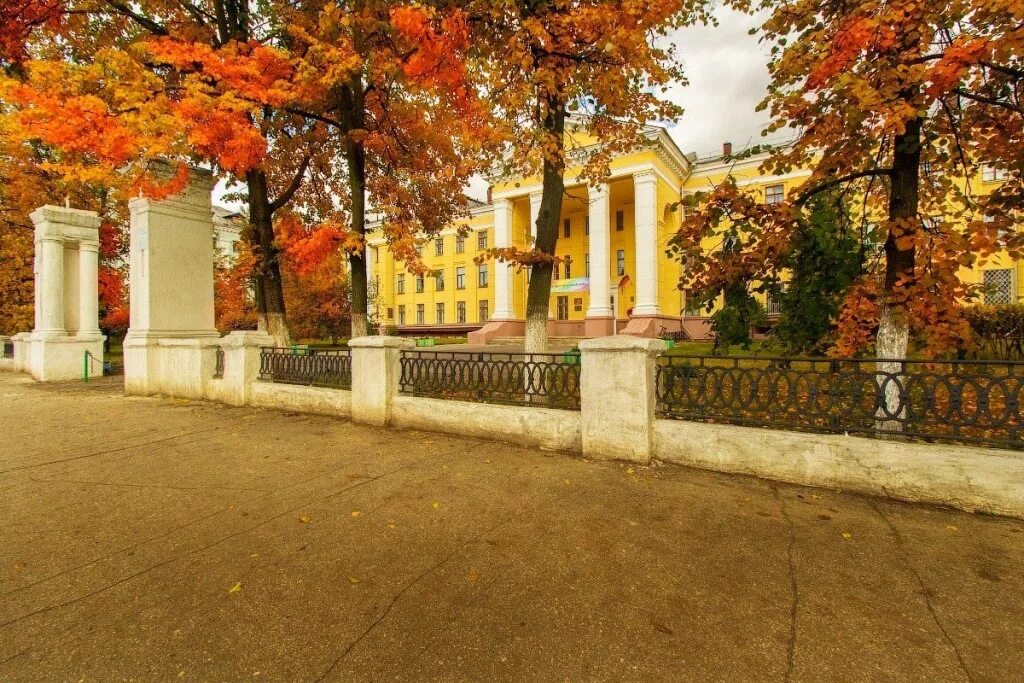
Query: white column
x=38, y=291
x=503, y=307
x=645, y=185
x=51, y=285
x=535, y=198
x=88, y=289
x=599, y=243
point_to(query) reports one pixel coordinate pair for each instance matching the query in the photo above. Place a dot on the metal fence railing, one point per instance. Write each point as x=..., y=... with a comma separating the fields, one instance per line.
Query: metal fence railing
x=218, y=368
x=955, y=401
x=311, y=367
x=550, y=380
x=8, y=348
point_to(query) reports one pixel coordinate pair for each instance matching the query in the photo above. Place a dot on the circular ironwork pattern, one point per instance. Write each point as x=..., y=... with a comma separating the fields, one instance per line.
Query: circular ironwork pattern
x=310, y=367
x=544, y=379
x=973, y=401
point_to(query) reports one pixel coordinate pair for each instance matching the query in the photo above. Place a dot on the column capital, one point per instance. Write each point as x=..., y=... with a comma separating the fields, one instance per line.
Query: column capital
x=647, y=175
x=598, y=191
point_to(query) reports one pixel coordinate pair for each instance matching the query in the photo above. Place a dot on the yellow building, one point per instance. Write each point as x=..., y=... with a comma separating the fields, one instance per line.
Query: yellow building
x=617, y=277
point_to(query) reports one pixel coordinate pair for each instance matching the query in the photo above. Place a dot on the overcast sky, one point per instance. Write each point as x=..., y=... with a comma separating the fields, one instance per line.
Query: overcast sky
x=727, y=74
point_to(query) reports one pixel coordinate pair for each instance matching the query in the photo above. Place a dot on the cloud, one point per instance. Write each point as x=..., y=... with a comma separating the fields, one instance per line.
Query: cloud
x=728, y=76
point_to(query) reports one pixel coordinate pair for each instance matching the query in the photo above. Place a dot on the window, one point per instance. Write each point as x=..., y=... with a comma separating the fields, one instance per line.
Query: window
x=401, y=315
x=485, y=311
x=926, y=168
x=460, y=277
x=481, y=240
x=577, y=304
x=692, y=307
x=566, y=228
x=586, y=263
x=620, y=221
x=568, y=268
x=421, y=315
x=774, y=194
x=439, y=246
x=998, y=286
x=586, y=225
x=460, y=312
x=554, y=271
x=562, y=308
x=460, y=244
x=620, y=263
x=419, y=282
x=439, y=280
x=400, y=285
x=391, y=313
x=773, y=302
x=440, y=314
x=991, y=174
x=481, y=275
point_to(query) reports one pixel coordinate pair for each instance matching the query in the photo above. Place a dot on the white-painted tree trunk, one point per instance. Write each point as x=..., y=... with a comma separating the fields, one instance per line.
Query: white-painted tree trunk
x=891, y=345
x=275, y=325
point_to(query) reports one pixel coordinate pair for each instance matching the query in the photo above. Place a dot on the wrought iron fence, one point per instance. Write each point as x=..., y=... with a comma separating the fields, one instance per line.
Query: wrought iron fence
x=310, y=367
x=551, y=380
x=218, y=370
x=956, y=401
x=8, y=348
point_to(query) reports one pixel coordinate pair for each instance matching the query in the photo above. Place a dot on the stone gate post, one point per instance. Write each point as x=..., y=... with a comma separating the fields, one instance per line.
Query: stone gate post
x=617, y=397
x=171, y=342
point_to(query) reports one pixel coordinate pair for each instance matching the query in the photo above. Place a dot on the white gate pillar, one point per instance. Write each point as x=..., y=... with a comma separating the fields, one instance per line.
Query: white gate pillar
x=171, y=342
x=67, y=327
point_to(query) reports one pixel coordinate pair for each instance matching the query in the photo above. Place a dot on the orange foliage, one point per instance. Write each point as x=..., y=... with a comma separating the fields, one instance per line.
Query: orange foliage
x=853, y=85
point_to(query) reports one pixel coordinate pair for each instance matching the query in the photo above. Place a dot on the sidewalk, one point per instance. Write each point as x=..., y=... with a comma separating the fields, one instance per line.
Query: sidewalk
x=158, y=539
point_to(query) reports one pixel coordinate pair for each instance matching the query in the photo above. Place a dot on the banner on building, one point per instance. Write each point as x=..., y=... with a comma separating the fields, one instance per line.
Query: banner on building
x=573, y=284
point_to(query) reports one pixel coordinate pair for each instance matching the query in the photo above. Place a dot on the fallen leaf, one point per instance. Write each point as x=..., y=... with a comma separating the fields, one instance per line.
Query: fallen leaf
x=630, y=470
x=354, y=579
x=304, y=519
x=952, y=528
x=847, y=534
x=236, y=588
x=437, y=506
x=473, y=576
x=356, y=513
x=566, y=482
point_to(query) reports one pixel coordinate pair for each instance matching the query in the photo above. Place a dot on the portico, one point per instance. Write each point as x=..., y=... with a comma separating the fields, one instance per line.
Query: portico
x=67, y=328
x=610, y=241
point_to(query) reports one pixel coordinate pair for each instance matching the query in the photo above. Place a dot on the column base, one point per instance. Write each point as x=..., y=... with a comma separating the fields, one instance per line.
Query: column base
x=55, y=358
x=599, y=326
x=173, y=363
x=651, y=326
x=498, y=328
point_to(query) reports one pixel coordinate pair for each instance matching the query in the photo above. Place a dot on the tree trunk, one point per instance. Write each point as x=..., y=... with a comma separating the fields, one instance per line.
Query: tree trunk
x=355, y=156
x=270, y=307
x=894, y=326
x=352, y=114
x=538, y=299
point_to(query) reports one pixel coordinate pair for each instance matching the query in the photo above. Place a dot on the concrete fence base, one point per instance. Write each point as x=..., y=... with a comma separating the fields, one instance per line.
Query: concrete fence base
x=616, y=421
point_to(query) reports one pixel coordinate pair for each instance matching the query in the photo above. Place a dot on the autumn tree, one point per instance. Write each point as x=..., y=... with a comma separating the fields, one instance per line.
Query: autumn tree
x=114, y=86
x=596, y=66
x=397, y=99
x=896, y=106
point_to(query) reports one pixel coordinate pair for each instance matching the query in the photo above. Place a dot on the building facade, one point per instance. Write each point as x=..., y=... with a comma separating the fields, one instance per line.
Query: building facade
x=615, y=275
